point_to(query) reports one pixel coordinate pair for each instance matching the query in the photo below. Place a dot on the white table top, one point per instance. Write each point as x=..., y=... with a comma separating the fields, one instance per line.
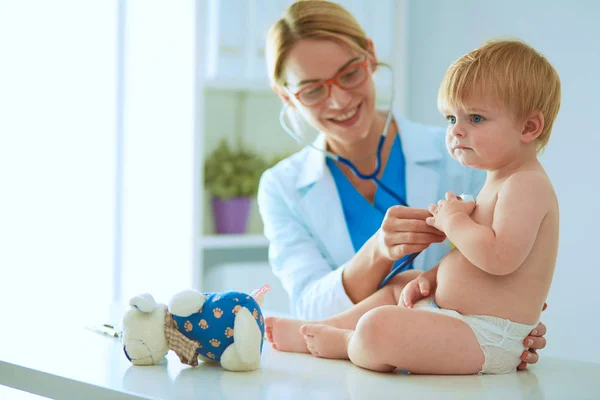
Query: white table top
x=73, y=362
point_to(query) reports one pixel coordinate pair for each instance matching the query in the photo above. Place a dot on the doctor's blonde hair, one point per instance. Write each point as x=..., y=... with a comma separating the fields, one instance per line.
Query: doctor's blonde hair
x=517, y=76
x=310, y=19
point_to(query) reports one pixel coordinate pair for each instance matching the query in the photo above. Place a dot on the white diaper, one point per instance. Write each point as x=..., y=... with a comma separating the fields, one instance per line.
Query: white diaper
x=501, y=340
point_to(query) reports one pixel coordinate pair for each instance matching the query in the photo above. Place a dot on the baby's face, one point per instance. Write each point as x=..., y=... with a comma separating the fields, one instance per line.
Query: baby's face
x=482, y=134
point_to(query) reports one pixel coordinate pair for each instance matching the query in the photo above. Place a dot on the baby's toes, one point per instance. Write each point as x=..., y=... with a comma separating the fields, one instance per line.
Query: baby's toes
x=304, y=329
x=310, y=329
x=312, y=349
x=309, y=343
x=269, y=333
x=308, y=340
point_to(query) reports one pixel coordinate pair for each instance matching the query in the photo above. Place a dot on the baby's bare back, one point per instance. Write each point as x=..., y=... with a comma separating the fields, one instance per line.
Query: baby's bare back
x=518, y=296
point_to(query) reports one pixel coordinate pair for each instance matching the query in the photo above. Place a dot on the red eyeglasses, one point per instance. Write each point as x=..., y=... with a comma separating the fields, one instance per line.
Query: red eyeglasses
x=349, y=78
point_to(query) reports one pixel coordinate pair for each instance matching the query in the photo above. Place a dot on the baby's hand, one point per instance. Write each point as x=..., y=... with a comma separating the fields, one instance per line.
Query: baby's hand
x=415, y=290
x=446, y=208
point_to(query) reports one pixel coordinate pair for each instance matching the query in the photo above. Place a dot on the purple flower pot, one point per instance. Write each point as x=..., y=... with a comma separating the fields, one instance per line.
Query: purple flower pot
x=231, y=215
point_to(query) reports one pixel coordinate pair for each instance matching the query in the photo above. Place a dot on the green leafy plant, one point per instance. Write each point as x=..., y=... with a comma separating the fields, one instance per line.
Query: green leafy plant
x=233, y=172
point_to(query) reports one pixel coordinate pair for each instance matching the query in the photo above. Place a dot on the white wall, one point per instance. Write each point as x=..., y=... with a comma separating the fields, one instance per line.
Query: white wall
x=159, y=125
x=59, y=151
x=568, y=34
x=57, y=154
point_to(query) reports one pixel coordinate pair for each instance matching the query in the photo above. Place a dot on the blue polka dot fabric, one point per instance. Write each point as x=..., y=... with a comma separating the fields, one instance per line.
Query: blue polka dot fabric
x=213, y=325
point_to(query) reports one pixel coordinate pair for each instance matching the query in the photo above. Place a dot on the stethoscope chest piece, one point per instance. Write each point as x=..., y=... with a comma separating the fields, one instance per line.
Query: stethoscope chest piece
x=466, y=197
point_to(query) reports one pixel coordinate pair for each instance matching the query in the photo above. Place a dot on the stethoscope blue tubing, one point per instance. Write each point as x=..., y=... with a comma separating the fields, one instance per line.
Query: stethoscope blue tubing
x=406, y=260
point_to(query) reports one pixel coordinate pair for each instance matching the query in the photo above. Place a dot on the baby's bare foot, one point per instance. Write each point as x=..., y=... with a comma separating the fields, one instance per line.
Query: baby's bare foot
x=327, y=342
x=284, y=334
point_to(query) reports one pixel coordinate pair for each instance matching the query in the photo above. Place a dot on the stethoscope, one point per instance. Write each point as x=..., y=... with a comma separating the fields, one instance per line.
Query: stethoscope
x=405, y=261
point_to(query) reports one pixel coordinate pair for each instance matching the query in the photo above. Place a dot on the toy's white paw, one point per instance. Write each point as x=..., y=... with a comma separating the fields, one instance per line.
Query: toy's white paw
x=186, y=303
x=143, y=302
x=247, y=336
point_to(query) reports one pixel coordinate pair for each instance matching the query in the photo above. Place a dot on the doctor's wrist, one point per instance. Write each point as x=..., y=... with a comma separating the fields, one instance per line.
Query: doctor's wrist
x=381, y=258
x=362, y=274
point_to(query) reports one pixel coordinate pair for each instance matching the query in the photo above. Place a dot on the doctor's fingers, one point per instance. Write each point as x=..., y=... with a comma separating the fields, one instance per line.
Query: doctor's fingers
x=529, y=357
x=402, y=212
x=392, y=239
x=535, y=342
x=394, y=225
x=401, y=250
x=539, y=330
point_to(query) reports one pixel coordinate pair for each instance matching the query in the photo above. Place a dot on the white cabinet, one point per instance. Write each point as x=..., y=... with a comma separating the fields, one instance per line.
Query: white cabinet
x=228, y=23
x=377, y=20
x=236, y=42
x=235, y=52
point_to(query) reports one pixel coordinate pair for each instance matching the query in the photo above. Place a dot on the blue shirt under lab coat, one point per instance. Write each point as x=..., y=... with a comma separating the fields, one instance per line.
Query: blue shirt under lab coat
x=362, y=218
x=303, y=218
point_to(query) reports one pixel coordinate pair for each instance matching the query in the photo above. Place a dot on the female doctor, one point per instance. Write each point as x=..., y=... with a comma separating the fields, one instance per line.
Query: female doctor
x=333, y=235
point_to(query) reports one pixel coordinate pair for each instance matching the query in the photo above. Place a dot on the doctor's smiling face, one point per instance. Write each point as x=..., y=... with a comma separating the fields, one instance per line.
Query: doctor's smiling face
x=343, y=108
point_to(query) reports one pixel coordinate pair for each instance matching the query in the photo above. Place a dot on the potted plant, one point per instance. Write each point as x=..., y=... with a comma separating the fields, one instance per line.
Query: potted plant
x=231, y=176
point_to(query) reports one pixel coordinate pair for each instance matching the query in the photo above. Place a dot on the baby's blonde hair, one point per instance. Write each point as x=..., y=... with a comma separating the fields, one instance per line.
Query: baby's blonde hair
x=311, y=19
x=515, y=74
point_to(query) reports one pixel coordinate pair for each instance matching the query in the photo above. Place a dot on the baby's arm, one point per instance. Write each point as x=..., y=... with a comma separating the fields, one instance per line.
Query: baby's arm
x=523, y=202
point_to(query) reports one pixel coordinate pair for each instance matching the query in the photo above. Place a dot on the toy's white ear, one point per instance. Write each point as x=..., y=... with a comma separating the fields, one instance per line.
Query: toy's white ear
x=143, y=302
x=186, y=303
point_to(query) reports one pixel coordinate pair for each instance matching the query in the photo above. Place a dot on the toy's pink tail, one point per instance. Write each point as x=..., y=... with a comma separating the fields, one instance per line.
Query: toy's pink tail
x=259, y=294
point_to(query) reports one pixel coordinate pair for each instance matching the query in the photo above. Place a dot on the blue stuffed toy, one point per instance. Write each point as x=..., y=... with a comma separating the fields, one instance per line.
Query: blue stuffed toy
x=227, y=328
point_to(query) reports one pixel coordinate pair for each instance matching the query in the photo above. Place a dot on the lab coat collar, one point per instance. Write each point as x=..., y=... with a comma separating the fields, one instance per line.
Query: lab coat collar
x=418, y=144
x=314, y=164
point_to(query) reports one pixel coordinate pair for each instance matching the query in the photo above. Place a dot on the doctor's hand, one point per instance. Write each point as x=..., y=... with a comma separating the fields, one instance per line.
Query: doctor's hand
x=404, y=231
x=534, y=342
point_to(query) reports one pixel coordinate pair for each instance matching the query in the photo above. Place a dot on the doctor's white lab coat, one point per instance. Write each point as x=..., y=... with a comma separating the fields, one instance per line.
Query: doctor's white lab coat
x=304, y=222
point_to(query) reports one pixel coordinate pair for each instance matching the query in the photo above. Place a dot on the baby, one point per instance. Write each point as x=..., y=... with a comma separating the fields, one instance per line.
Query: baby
x=470, y=313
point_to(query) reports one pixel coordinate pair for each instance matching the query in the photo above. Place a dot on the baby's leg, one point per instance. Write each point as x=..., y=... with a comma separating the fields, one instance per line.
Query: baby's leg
x=284, y=333
x=418, y=341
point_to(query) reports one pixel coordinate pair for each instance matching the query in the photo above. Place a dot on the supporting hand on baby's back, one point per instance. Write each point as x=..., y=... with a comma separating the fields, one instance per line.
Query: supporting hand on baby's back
x=534, y=342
